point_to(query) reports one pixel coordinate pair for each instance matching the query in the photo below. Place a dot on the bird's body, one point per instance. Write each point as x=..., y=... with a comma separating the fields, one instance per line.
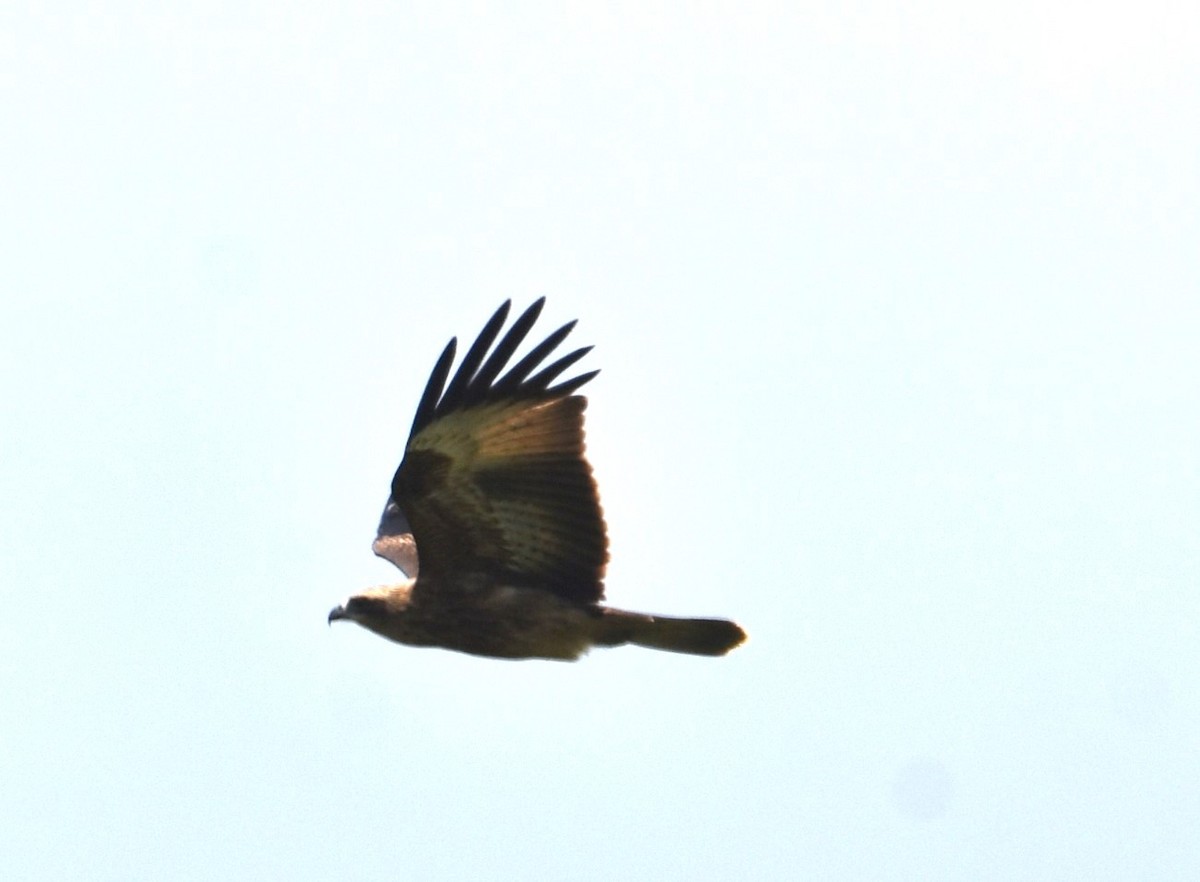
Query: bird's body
x=480, y=618
x=504, y=621
x=495, y=518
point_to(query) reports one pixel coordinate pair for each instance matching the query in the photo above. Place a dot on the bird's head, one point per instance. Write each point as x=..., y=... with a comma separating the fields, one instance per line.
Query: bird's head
x=380, y=609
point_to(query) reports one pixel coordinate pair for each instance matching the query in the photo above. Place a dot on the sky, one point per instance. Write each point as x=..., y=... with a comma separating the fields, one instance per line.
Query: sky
x=896, y=313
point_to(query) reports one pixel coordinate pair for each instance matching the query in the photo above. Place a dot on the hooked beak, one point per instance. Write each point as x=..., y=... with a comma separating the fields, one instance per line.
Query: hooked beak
x=338, y=612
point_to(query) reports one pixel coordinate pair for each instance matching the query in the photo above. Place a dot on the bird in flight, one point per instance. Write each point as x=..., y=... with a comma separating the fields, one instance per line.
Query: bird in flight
x=495, y=520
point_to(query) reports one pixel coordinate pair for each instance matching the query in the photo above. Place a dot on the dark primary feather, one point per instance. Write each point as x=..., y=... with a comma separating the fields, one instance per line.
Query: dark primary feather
x=433, y=389
x=457, y=390
x=543, y=379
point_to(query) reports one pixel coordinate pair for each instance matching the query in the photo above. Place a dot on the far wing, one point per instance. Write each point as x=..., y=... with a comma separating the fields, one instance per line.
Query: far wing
x=394, y=539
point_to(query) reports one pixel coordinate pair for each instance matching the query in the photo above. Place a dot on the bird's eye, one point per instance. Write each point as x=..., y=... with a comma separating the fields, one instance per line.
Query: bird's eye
x=363, y=605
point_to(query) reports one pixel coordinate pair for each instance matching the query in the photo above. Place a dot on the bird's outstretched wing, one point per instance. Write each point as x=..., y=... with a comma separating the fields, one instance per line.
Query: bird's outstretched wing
x=494, y=479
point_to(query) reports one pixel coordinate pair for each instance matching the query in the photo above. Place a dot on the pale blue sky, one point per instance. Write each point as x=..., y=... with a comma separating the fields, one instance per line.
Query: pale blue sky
x=896, y=311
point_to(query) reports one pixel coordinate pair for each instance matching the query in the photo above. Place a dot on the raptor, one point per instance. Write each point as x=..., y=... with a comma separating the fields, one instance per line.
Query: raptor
x=495, y=521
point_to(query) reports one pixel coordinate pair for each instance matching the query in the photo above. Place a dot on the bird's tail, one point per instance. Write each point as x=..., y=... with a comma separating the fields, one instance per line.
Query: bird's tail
x=693, y=636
